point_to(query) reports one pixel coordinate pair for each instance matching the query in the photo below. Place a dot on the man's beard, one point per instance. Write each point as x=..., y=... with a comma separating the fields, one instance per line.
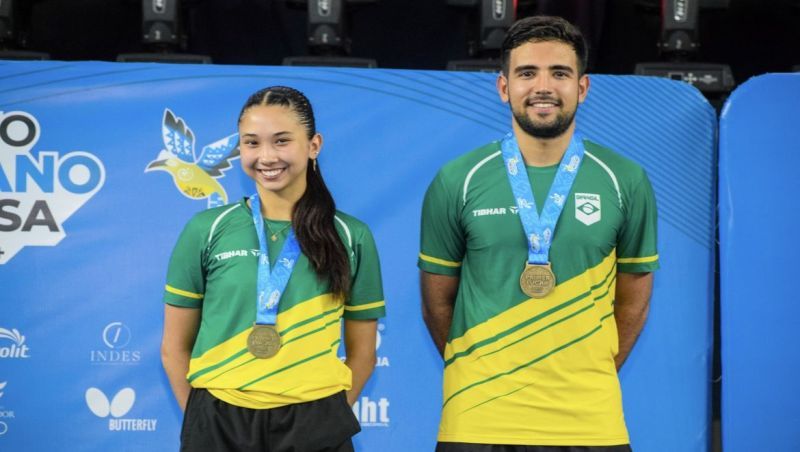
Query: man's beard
x=548, y=130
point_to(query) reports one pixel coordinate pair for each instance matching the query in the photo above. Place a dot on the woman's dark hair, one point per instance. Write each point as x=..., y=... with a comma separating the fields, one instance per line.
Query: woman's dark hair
x=313, y=214
x=543, y=28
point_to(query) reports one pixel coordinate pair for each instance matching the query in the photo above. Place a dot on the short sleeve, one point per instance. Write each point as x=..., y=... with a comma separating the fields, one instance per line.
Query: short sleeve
x=637, y=249
x=366, y=290
x=442, y=243
x=185, y=275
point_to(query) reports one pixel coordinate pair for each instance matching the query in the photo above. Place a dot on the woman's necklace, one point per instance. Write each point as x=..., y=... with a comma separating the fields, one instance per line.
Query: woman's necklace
x=274, y=235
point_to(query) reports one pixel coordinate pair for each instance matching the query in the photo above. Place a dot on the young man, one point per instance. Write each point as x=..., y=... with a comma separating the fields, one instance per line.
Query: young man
x=536, y=258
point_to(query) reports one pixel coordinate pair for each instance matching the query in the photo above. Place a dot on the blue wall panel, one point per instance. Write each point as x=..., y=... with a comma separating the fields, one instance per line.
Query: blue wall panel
x=758, y=158
x=86, y=308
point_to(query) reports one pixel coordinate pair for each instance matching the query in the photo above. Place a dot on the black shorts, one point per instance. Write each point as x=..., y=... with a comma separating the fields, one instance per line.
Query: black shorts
x=210, y=424
x=468, y=447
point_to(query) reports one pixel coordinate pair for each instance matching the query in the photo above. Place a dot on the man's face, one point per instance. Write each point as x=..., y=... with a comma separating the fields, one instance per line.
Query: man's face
x=543, y=87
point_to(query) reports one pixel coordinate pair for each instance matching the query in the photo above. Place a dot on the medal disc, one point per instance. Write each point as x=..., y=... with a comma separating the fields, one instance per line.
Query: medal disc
x=264, y=341
x=537, y=281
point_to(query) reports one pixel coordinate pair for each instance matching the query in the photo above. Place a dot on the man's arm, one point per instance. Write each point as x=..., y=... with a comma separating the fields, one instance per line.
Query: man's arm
x=631, y=306
x=180, y=331
x=359, y=344
x=438, y=298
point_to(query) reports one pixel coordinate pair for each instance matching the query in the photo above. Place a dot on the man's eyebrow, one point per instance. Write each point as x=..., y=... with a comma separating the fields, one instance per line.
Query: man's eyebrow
x=555, y=67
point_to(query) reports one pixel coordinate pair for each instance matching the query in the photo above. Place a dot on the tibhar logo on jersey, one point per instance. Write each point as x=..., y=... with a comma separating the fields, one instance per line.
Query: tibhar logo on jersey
x=17, y=349
x=587, y=208
x=196, y=178
x=495, y=211
x=372, y=413
x=119, y=406
x=116, y=337
x=41, y=190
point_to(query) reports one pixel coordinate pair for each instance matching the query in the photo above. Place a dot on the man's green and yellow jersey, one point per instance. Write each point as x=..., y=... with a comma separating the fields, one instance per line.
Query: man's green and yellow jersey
x=214, y=268
x=535, y=371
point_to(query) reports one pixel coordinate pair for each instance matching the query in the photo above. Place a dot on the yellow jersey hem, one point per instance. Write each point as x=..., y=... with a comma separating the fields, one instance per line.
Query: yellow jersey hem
x=532, y=440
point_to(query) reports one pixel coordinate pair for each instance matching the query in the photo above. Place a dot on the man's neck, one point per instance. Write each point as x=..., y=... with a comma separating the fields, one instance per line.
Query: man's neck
x=543, y=151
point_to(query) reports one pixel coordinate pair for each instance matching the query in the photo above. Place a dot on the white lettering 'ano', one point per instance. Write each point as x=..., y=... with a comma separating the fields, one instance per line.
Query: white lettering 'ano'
x=37, y=194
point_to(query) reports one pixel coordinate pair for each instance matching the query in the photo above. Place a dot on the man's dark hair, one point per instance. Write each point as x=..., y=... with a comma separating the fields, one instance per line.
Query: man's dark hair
x=544, y=28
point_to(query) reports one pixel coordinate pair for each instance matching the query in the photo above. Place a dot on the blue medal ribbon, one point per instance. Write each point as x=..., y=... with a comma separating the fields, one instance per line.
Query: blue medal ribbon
x=271, y=283
x=539, y=230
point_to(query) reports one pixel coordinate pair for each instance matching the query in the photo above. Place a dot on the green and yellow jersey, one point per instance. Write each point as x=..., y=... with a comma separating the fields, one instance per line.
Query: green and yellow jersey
x=214, y=268
x=535, y=371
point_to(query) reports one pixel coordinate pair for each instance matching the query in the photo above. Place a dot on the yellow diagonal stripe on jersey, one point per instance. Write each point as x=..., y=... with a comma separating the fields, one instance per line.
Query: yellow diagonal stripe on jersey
x=500, y=356
x=567, y=294
x=301, y=328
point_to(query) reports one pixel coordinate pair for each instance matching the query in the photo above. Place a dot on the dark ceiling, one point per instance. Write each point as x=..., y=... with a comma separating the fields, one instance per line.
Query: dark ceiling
x=752, y=36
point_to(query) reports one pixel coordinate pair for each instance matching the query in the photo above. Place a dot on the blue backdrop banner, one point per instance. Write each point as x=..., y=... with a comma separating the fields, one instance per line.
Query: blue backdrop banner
x=758, y=237
x=86, y=229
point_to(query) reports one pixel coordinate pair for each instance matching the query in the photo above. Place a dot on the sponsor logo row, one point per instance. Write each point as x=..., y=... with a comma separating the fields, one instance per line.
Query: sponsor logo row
x=369, y=412
x=116, y=337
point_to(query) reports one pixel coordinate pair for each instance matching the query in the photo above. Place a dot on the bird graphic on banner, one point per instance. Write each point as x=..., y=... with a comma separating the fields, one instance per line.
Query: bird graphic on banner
x=196, y=178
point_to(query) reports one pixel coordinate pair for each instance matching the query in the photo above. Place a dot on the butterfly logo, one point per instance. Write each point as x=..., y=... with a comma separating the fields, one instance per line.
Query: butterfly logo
x=119, y=406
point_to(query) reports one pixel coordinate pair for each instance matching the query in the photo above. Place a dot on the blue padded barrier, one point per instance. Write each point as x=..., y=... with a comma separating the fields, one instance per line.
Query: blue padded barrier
x=758, y=152
x=88, y=234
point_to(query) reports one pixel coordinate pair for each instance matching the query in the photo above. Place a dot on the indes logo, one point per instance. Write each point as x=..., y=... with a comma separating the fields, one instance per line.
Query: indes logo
x=371, y=413
x=116, y=337
x=118, y=407
x=39, y=192
x=196, y=178
x=17, y=349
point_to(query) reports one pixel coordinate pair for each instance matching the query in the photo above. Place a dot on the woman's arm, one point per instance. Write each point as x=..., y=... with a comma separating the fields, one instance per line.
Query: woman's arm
x=359, y=343
x=180, y=331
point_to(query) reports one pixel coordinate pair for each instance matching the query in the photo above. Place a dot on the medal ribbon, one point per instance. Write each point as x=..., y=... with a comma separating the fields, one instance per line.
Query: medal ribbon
x=271, y=284
x=540, y=230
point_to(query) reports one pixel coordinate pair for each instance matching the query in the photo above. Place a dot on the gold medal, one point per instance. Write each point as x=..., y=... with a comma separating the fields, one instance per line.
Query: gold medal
x=537, y=281
x=264, y=341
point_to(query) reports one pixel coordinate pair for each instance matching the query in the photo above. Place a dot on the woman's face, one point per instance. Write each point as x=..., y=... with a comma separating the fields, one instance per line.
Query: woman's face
x=275, y=149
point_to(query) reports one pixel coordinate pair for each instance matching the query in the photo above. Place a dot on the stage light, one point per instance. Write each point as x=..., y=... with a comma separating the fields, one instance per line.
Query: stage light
x=495, y=17
x=327, y=35
x=679, y=44
x=162, y=34
x=10, y=41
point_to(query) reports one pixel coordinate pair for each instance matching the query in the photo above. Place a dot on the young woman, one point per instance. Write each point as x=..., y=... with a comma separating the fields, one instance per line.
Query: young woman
x=255, y=295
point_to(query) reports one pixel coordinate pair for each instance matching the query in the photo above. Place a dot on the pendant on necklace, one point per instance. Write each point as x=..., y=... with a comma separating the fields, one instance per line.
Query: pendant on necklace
x=274, y=237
